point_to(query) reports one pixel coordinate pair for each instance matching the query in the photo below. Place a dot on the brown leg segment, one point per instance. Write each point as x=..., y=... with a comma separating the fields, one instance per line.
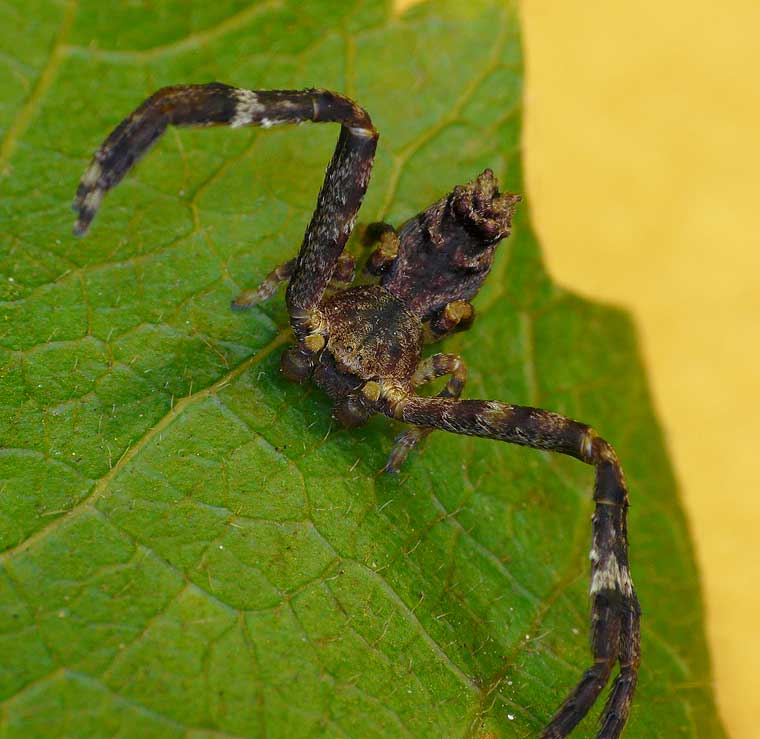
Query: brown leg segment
x=342, y=277
x=456, y=316
x=218, y=104
x=266, y=289
x=615, y=612
x=331, y=225
x=345, y=271
x=429, y=369
x=387, y=239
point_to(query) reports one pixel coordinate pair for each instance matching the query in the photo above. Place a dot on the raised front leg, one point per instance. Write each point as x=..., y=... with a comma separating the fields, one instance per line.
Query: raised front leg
x=218, y=104
x=331, y=225
x=429, y=369
x=615, y=613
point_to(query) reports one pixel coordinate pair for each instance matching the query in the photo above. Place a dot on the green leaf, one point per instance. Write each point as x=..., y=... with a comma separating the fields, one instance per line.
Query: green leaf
x=190, y=547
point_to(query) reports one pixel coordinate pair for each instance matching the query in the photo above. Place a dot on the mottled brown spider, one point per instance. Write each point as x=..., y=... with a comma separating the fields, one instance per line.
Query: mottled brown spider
x=362, y=345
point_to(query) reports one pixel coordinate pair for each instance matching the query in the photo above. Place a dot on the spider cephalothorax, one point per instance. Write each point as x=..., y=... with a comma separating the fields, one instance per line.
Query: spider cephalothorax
x=362, y=345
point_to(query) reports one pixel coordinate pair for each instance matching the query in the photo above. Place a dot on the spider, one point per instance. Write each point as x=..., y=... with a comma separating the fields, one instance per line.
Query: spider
x=362, y=344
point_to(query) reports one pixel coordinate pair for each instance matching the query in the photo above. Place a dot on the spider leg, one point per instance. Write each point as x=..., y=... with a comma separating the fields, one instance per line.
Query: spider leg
x=428, y=369
x=217, y=104
x=388, y=244
x=619, y=701
x=267, y=288
x=615, y=612
x=345, y=271
x=343, y=276
x=456, y=316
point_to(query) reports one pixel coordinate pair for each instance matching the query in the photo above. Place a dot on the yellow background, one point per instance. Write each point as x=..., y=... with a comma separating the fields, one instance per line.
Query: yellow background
x=642, y=160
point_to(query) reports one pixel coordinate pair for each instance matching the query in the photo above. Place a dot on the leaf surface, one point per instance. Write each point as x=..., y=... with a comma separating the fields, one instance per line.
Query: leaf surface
x=190, y=547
